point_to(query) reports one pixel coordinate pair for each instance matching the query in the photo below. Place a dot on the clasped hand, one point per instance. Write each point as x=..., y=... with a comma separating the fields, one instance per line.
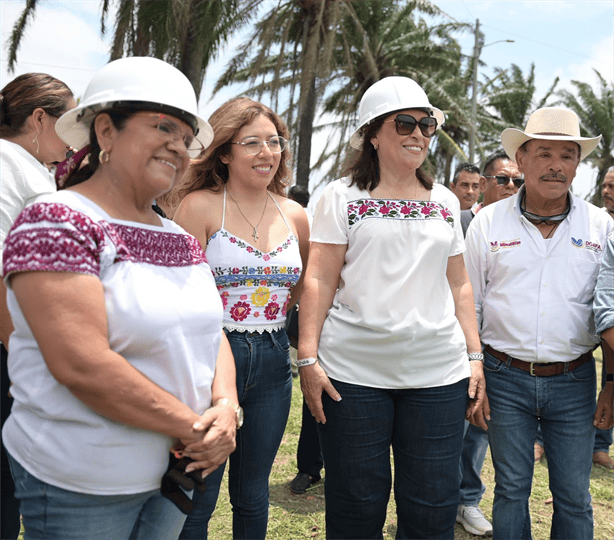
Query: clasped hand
x=211, y=441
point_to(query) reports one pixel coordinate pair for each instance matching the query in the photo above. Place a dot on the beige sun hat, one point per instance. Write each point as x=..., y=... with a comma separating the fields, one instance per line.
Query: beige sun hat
x=549, y=123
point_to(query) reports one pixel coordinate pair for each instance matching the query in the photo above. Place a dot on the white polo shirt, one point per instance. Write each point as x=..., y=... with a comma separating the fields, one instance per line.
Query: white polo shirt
x=534, y=296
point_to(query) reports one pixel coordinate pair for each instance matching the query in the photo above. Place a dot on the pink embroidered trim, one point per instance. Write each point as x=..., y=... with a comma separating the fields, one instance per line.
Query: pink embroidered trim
x=73, y=247
x=153, y=247
x=398, y=209
x=69, y=241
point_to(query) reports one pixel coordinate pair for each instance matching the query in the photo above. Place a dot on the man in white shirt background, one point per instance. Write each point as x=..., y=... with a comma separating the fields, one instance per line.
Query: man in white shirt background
x=533, y=261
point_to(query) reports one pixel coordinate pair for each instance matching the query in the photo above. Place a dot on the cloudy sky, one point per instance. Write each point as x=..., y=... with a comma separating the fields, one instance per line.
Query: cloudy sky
x=567, y=39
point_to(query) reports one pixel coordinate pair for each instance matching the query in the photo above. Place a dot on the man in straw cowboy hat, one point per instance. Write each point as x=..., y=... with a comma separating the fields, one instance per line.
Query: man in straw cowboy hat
x=533, y=261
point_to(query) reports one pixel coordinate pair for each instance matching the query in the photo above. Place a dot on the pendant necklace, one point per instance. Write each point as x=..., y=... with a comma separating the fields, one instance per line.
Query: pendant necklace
x=255, y=233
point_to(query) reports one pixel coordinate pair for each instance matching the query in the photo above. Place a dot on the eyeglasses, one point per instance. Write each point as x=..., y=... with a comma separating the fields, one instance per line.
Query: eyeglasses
x=253, y=145
x=503, y=180
x=170, y=132
x=405, y=125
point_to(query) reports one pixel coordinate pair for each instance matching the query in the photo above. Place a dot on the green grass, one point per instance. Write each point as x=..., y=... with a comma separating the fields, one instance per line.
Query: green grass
x=302, y=516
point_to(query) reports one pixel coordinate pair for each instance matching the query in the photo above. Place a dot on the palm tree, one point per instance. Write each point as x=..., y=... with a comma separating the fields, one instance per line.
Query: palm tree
x=185, y=33
x=508, y=99
x=318, y=50
x=596, y=112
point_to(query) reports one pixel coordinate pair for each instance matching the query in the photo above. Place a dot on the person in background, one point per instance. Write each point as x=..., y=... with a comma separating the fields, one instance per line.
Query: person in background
x=533, y=261
x=256, y=241
x=607, y=192
x=308, y=455
x=500, y=179
x=466, y=184
x=117, y=353
x=389, y=353
x=29, y=108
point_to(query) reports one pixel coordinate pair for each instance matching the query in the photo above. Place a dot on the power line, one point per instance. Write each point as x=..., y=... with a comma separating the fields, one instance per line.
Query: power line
x=52, y=65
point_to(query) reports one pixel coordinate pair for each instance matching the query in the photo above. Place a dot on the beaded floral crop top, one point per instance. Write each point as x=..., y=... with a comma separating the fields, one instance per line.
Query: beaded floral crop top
x=254, y=285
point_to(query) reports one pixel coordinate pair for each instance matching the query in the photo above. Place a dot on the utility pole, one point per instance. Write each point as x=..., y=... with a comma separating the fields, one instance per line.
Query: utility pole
x=474, y=93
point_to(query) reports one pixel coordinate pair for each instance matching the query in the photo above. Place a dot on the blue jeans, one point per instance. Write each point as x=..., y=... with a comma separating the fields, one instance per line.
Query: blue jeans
x=425, y=428
x=563, y=405
x=264, y=385
x=475, y=445
x=51, y=512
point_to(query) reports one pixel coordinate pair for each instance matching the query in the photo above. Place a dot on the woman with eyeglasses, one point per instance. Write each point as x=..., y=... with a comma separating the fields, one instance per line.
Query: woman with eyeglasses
x=389, y=352
x=29, y=107
x=256, y=241
x=117, y=355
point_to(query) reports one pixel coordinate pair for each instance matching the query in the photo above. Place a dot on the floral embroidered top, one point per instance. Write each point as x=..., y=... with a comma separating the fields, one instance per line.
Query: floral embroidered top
x=392, y=323
x=163, y=316
x=254, y=286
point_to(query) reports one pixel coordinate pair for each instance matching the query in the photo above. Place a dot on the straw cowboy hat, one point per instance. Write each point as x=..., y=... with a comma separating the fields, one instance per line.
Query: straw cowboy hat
x=549, y=123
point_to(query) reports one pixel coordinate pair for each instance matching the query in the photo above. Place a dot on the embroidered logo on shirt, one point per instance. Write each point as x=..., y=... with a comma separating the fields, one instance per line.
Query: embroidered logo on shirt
x=496, y=246
x=592, y=246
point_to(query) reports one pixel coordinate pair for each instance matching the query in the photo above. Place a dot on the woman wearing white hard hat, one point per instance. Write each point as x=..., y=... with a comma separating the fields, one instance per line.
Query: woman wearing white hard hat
x=388, y=327
x=117, y=355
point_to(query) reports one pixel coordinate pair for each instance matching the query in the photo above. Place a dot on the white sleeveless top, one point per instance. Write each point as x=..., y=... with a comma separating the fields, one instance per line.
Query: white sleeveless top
x=254, y=285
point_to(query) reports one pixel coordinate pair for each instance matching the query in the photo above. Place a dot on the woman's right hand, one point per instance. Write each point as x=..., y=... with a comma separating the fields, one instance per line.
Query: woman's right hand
x=314, y=381
x=212, y=440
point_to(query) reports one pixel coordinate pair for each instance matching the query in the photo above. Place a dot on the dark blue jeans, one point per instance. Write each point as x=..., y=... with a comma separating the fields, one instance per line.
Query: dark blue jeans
x=425, y=427
x=475, y=445
x=563, y=405
x=264, y=384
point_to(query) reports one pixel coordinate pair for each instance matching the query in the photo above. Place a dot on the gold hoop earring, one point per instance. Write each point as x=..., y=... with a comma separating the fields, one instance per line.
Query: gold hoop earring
x=35, y=141
x=103, y=157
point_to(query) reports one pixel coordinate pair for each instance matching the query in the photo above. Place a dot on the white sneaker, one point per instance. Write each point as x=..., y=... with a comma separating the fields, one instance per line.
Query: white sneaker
x=472, y=519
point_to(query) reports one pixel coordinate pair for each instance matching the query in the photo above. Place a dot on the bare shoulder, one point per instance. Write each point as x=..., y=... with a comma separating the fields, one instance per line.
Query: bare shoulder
x=290, y=208
x=200, y=213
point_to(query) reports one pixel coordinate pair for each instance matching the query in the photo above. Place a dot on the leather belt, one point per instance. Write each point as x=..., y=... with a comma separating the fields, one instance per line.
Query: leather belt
x=540, y=369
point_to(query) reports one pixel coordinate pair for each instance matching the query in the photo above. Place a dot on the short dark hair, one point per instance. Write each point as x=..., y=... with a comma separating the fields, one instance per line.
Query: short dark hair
x=489, y=164
x=300, y=194
x=464, y=166
x=30, y=91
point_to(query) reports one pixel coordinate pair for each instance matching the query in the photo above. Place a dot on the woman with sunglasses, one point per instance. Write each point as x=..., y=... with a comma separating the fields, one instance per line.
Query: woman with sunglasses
x=389, y=352
x=117, y=355
x=29, y=107
x=256, y=241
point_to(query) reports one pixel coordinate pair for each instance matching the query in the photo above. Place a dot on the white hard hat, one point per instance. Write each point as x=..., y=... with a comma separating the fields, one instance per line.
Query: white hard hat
x=139, y=82
x=388, y=95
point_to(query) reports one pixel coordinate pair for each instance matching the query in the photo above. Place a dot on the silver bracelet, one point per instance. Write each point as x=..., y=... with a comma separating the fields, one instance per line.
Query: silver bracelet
x=475, y=356
x=306, y=361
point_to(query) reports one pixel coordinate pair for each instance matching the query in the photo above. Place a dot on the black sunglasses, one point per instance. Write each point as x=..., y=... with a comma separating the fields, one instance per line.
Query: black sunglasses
x=405, y=125
x=503, y=180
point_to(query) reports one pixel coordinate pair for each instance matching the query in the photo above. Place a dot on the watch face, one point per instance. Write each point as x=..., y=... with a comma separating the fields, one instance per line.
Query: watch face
x=239, y=417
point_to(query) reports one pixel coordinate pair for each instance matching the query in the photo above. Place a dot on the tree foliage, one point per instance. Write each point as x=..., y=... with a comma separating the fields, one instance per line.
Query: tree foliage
x=185, y=33
x=595, y=107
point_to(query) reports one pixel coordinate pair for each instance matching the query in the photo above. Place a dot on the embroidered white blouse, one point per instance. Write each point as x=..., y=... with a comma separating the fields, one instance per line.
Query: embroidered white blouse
x=254, y=286
x=164, y=317
x=392, y=322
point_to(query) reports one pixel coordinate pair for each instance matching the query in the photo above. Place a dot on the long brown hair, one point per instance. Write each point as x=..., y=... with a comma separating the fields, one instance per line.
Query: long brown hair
x=30, y=91
x=208, y=172
x=363, y=165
